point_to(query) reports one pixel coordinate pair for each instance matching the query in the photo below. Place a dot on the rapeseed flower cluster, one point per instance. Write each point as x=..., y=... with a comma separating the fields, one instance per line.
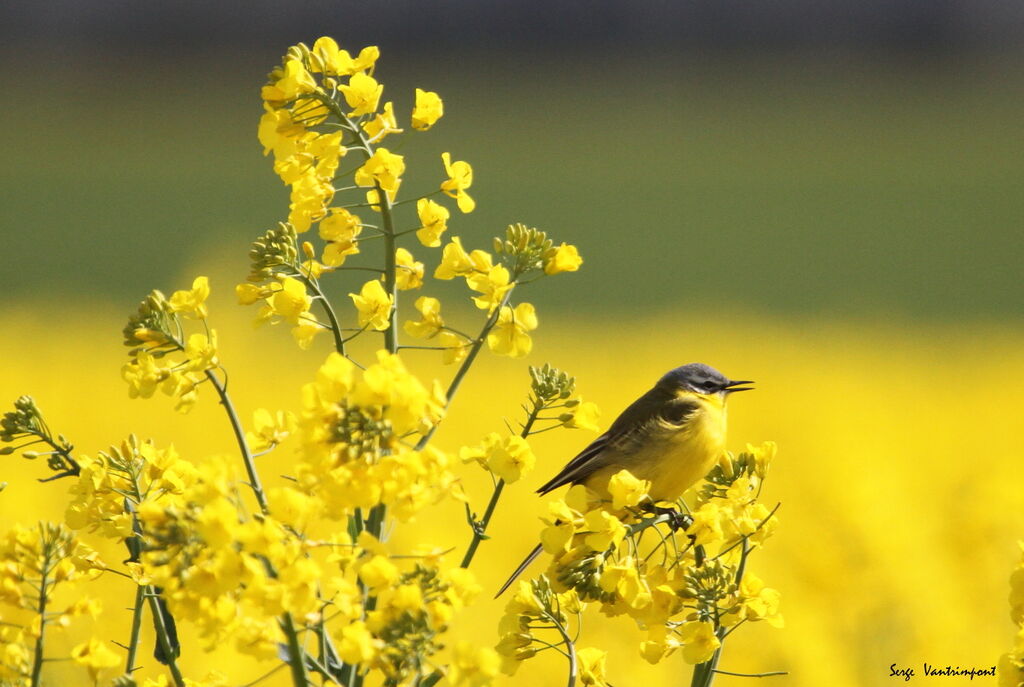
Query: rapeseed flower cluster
x=683, y=580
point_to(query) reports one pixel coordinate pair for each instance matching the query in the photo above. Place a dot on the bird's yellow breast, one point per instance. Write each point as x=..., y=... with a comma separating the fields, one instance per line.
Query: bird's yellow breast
x=674, y=457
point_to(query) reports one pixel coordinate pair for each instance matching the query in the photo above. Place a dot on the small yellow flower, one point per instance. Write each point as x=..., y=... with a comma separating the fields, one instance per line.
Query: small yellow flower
x=374, y=305
x=192, y=303
x=295, y=81
x=201, y=352
x=455, y=261
x=384, y=124
x=357, y=644
x=511, y=459
x=455, y=348
x=427, y=111
x=248, y=294
x=565, y=259
x=583, y=415
x=626, y=490
x=511, y=334
x=430, y=322
x=492, y=285
x=279, y=133
x=340, y=225
x=270, y=429
x=95, y=656
x=409, y=273
x=433, y=222
x=384, y=169
x=473, y=666
x=460, y=177
x=334, y=62
x=605, y=530
x=378, y=572
x=290, y=301
x=362, y=93
x=592, y=666
x=699, y=641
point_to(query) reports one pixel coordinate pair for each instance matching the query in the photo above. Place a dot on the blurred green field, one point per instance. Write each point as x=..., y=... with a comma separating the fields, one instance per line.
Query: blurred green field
x=786, y=185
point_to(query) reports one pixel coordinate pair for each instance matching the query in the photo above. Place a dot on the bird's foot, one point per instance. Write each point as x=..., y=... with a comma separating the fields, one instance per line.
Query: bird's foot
x=676, y=520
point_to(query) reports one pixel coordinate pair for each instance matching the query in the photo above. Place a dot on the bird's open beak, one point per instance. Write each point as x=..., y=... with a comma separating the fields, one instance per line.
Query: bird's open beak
x=737, y=386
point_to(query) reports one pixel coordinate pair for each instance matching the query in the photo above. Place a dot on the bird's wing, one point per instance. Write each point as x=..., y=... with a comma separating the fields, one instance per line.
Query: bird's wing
x=621, y=438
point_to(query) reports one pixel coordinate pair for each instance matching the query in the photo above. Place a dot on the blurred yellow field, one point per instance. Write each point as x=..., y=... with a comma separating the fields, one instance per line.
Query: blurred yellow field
x=898, y=471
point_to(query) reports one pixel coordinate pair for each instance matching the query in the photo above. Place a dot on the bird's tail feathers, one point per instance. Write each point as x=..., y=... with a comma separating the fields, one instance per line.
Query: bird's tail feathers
x=519, y=571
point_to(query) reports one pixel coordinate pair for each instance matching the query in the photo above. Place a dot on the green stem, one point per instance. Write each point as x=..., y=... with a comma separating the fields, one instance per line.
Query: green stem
x=480, y=530
x=390, y=269
x=704, y=673
x=133, y=641
x=296, y=654
x=571, y=651
x=466, y=364
x=243, y=446
x=162, y=637
x=37, y=658
x=339, y=341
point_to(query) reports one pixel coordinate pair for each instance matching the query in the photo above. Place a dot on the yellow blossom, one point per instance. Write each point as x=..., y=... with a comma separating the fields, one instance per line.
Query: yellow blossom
x=374, y=305
x=334, y=62
x=279, y=133
x=248, y=294
x=95, y=656
x=511, y=458
x=378, y=573
x=408, y=272
x=357, y=644
x=384, y=168
x=492, y=285
x=290, y=301
x=699, y=641
x=430, y=322
x=473, y=666
x=565, y=259
x=310, y=196
x=433, y=222
x=460, y=177
x=606, y=530
x=592, y=666
x=555, y=538
x=511, y=336
x=294, y=81
x=455, y=348
x=383, y=124
x=427, y=111
x=269, y=429
x=340, y=228
x=583, y=415
x=455, y=261
x=192, y=303
x=362, y=93
x=201, y=351
x=305, y=331
x=626, y=490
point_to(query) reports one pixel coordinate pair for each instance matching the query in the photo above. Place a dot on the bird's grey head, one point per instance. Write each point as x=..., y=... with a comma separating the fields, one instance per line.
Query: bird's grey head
x=702, y=379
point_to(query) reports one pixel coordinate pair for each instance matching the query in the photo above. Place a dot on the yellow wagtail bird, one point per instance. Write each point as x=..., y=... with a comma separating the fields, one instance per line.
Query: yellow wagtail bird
x=671, y=436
